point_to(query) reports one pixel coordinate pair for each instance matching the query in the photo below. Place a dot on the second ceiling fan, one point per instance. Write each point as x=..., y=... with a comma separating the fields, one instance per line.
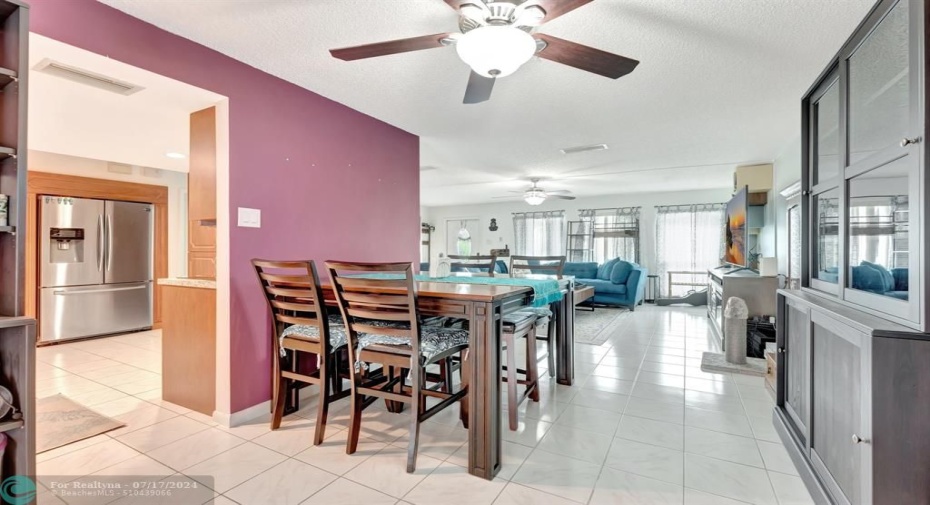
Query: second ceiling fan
x=496, y=37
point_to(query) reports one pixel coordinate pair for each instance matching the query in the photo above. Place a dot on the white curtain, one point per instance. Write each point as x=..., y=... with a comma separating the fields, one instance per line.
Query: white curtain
x=616, y=233
x=539, y=233
x=689, y=238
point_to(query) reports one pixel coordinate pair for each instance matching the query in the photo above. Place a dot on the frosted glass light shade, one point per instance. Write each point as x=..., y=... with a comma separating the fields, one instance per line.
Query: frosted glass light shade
x=496, y=51
x=534, y=197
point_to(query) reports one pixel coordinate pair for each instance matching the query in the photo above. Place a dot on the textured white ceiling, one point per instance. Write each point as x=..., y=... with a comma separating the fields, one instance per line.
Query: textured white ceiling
x=719, y=84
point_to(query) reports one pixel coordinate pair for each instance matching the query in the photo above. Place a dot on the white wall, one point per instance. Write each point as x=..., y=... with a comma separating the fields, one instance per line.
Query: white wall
x=438, y=216
x=787, y=172
x=176, y=182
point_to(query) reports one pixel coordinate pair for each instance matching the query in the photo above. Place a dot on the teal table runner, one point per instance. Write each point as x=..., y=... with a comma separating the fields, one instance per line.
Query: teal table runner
x=545, y=291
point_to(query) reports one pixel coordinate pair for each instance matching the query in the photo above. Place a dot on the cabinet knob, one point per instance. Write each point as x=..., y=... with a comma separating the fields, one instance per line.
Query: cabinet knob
x=906, y=141
x=781, y=350
x=858, y=440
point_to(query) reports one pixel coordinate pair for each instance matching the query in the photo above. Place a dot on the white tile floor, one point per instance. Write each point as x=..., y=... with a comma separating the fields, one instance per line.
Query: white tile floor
x=643, y=425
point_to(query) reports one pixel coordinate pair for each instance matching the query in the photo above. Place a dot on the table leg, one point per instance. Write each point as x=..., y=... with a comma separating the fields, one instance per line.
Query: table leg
x=565, y=339
x=484, y=412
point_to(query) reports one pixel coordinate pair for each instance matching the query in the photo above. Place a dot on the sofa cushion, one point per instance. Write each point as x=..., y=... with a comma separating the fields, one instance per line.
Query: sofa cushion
x=603, y=271
x=606, y=287
x=900, y=279
x=867, y=278
x=586, y=270
x=887, y=278
x=621, y=272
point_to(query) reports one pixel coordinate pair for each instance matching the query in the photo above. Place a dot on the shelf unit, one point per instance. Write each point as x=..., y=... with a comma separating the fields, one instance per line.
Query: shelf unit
x=17, y=332
x=580, y=243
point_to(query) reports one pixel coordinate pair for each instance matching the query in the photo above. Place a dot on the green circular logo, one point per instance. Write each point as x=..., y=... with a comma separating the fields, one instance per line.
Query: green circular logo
x=18, y=490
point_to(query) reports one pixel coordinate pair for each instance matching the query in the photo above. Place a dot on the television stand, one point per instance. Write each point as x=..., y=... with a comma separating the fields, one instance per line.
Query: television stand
x=758, y=292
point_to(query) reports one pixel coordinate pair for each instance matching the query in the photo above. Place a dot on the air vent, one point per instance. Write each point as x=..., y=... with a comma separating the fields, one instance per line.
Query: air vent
x=119, y=168
x=86, y=77
x=583, y=149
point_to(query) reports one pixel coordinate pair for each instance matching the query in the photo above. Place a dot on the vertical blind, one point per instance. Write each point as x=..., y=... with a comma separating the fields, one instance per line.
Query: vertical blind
x=539, y=233
x=616, y=233
x=689, y=238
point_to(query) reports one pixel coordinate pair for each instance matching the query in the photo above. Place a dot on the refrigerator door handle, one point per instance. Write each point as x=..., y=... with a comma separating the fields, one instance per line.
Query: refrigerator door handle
x=99, y=243
x=62, y=292
x=109, y=242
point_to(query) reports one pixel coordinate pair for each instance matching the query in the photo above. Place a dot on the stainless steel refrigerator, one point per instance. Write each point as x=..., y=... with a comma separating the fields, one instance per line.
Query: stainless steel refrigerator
x=95, y=266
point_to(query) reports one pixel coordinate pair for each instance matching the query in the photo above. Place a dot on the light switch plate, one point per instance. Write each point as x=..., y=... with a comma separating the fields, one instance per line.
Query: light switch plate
x=250, y=218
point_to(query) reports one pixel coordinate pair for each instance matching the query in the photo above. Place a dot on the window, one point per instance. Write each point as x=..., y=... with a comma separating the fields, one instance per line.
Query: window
x=539, y=233
x=616, y=233
x=689, y=241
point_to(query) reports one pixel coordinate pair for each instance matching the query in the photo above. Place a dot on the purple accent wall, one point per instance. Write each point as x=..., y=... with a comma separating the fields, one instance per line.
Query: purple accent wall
x=331, y=182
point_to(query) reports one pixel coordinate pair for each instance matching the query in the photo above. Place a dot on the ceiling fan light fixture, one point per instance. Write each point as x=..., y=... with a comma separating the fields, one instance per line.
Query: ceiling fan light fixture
x=496, y=51
x=534, y=196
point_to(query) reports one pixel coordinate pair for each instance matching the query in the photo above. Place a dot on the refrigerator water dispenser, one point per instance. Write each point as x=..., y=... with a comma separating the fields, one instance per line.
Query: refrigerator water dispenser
x=66, y=245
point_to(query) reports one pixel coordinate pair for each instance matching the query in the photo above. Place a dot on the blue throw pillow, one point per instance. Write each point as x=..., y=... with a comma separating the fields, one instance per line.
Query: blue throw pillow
x=868, y=278
x=603, y=271
x=621, y=272
x=887, y=278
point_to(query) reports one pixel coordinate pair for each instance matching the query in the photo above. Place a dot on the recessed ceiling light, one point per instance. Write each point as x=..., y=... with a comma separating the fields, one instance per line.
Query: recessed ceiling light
x=582, y=149
x=176, y=156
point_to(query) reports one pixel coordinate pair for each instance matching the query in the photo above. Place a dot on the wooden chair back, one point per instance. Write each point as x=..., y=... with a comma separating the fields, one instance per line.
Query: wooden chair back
x=374, y=295
x=543, y=265
x=292, y=290
x=485, y=262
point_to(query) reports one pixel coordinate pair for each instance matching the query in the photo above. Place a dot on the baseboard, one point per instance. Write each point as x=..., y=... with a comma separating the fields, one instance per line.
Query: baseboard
x=242, y=416
x=816, y=488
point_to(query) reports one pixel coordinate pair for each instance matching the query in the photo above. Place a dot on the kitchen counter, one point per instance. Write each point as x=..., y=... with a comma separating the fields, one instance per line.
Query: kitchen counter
x=185, y=282
x=188, y=343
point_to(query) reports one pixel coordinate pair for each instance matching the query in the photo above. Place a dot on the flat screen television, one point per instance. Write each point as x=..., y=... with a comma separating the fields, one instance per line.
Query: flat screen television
x=735, y=229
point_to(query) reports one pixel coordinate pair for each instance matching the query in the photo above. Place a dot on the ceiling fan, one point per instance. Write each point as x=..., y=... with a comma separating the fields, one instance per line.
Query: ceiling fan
x=497, y=37
x=536, y=195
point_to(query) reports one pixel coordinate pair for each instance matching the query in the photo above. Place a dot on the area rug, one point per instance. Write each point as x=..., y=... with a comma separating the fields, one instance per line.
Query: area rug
x=717, y=362
x=60, y=421
x=596, y=327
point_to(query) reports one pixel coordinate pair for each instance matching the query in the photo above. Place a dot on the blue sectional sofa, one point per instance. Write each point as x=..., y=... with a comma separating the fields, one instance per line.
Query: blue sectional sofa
x=615, y=282
x=874, y=278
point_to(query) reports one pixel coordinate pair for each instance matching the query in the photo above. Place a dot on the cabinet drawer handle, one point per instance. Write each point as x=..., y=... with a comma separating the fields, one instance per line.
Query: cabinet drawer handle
x=858, y=440
x=906, y=141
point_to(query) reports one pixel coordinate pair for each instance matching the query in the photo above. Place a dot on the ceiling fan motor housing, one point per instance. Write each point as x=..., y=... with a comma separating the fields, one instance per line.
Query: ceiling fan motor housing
x=501, y=13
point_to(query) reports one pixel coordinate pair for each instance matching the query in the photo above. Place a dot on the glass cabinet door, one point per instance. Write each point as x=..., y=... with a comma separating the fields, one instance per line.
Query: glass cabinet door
x=879, y=87
x=825, y=236
x=826, y=115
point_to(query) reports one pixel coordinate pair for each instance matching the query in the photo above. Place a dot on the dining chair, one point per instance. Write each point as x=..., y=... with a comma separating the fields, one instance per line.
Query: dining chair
x=517, y=325
x=300, y=325
x=478, y=263
x=542, y=265
x=378, y=301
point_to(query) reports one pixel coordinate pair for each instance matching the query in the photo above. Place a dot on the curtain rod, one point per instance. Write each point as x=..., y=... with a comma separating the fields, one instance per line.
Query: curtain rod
x=610, y=208
x=692, y=206
x=540, y=212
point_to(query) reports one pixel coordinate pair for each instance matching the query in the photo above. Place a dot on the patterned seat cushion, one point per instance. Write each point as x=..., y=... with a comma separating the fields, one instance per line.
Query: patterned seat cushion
x=514, y=319
x=337, y=333
x=435, y=341
x=538, y=311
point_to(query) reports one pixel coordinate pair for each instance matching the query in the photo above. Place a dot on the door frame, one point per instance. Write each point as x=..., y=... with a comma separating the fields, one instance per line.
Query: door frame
x=47, y=183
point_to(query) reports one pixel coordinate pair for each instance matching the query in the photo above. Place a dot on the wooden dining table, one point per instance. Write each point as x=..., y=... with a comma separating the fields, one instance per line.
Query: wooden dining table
x=484, y=306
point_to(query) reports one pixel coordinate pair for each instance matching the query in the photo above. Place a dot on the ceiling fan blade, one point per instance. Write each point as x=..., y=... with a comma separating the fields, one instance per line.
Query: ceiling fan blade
x=479, y=88
x=553, y=8
x=389, y=47
x=585, y=58
x=560, y=197
x=558, y=192
x=511, y=197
